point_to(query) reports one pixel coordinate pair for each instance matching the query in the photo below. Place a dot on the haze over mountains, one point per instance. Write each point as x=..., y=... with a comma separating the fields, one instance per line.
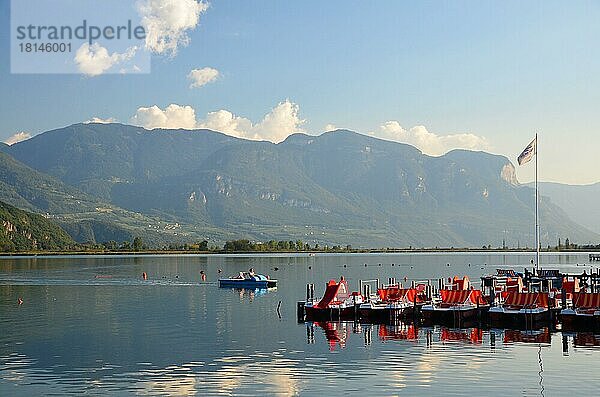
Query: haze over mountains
x=579, y=201
x=337, y=188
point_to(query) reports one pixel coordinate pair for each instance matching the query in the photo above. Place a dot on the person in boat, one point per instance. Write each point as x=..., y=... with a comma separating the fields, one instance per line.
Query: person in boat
x=251, y=272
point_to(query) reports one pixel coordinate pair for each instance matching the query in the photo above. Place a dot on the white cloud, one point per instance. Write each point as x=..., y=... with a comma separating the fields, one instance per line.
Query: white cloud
x=428, y=142
x=18, y=137
x=226, y=122
x=330, y=127
x=167, y=23
x=173, y=116
x=200, y=77
x=98, y=120
x=278, y=124
x=94, y=59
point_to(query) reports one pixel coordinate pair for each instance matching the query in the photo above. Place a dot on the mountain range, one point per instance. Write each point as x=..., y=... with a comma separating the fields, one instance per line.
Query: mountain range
x=579, y=201
x=100, y=180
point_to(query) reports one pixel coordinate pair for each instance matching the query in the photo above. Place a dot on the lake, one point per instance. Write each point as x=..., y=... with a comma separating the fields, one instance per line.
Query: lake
x=92, y=324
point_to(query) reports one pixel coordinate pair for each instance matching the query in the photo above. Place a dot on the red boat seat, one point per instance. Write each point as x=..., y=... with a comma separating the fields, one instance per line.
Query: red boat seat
x=586, y=300
x=395, y=294
x=526, y=300
x=451, y=297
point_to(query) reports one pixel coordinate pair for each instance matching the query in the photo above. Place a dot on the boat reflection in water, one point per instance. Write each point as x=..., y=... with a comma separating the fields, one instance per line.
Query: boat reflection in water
x=250, y=293
x=541, y=335
x=468, y=335
x=586, y=339
x=580, y=340
x=400, y=331
x=338, y=333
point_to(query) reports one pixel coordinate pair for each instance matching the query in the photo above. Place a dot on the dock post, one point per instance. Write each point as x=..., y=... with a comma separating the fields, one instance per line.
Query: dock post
x=368, y=337
x=415, y=310
x=300, y=312
x=565, y=344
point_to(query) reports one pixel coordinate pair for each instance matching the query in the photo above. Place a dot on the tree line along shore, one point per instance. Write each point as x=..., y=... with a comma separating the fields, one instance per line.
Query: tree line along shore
x=137, y=247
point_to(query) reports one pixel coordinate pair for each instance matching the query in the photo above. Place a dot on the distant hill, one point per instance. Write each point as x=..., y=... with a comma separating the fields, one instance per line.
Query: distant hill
x=87, y=218
x=24, y=231
x=32, y=190
x=337, y=188
x=580, y=202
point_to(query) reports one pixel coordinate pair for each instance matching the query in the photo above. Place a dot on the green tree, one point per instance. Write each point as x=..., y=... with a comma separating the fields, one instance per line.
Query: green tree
x=138, y=244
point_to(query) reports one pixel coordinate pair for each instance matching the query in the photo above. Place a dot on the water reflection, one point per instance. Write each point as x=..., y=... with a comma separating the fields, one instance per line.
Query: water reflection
x=337, y=333
x=175, y=334
x=526, y=336
x=586, y=339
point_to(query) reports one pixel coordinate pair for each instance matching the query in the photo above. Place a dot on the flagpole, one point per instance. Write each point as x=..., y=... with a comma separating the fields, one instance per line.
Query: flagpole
x=537, y=225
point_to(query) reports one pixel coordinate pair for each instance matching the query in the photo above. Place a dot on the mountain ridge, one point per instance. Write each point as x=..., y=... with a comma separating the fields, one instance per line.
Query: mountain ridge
x=339, y=187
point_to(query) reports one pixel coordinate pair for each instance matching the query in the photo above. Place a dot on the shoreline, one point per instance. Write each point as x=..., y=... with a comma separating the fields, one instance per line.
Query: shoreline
x=295, y=252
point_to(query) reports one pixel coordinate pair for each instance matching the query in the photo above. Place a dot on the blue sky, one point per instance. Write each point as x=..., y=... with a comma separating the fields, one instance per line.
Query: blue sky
x=497, y=70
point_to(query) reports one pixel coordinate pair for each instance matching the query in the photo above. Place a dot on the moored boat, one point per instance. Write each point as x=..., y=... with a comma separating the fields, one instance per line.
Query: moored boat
x=456, y=307
x=391, y=304
x=521, y=309
x=584, y=312
x=338, y=303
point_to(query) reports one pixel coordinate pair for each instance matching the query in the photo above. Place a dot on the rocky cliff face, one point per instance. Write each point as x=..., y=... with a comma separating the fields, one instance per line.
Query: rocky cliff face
x=23, y=231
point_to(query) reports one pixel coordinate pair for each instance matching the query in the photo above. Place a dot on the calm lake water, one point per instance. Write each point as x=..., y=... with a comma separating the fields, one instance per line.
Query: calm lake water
x=91, y=324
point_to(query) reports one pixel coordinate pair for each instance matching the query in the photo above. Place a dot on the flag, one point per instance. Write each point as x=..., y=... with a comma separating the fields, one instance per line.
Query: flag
x=528, y=153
